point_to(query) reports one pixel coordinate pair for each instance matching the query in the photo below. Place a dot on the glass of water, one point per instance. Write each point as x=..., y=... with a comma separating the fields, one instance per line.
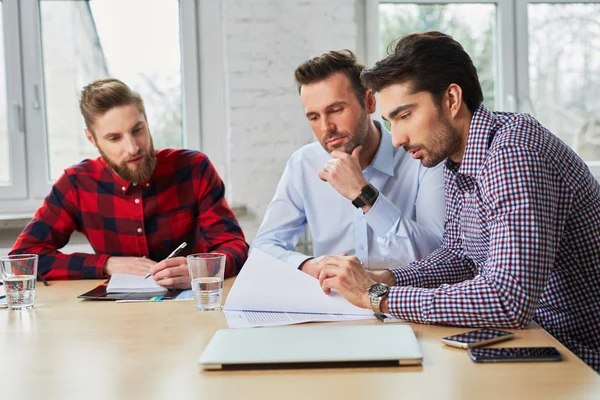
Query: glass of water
x=18, y=273
x=206, y=275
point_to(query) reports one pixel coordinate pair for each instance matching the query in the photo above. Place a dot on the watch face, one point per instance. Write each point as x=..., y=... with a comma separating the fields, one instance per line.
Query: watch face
x=379, y=289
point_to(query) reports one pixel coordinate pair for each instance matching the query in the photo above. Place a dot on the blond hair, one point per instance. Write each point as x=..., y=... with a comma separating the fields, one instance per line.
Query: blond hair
x=102, y=95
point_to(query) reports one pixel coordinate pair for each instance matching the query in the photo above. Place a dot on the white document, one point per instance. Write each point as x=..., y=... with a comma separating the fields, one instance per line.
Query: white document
x=128, y=283
x=251, y=319
x=269, y=285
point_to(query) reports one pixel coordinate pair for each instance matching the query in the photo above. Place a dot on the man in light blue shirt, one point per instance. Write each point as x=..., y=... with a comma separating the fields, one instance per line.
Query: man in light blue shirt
x=358, y=194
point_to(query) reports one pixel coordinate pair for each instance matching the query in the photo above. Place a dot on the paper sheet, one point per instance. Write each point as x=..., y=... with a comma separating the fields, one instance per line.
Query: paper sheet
x=250, y=319
x=128, y=283
x=268, y=285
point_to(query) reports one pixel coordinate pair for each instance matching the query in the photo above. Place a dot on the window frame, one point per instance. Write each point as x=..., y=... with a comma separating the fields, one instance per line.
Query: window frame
x=16, y=187
x=512, y=76
x=26, y=75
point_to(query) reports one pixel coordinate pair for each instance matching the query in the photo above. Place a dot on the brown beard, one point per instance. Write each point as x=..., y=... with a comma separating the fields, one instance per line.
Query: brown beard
x=142, y=172
x=356, y=138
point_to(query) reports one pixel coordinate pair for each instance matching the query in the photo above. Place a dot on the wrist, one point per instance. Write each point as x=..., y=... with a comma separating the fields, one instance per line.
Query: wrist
x=366, y=197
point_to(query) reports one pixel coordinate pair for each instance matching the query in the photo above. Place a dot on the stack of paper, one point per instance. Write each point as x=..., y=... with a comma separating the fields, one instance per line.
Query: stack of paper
x=127, y=283
x=269, y=292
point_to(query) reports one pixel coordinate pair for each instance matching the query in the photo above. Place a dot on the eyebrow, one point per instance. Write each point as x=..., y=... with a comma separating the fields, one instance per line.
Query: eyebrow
x=398, y=110
x=137, y=124
x=329, y=106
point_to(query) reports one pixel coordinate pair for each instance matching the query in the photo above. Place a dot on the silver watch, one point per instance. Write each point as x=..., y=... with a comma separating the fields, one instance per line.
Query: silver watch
x=377, y=293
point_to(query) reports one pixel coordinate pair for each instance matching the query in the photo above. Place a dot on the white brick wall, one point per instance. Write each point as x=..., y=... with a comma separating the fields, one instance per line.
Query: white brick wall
x=265, y=40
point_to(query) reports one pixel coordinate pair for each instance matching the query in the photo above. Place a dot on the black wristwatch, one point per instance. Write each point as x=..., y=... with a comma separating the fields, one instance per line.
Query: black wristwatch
x=368, y=194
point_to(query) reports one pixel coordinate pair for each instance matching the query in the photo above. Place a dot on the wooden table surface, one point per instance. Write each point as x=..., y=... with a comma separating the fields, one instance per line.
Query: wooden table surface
x=66, y=348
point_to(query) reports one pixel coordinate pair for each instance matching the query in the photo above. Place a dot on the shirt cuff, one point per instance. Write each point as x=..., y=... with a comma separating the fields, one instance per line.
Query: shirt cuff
x=93, y=266
x=408, y=303
x=296, y=259
x=382, y=216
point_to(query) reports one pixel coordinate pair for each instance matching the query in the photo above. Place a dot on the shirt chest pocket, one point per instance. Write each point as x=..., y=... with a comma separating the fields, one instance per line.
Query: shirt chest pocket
x=177, y=225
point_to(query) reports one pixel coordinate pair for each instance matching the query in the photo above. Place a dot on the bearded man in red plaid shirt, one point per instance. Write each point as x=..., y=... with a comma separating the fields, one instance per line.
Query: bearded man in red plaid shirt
x=135, y=205
x=522, y=227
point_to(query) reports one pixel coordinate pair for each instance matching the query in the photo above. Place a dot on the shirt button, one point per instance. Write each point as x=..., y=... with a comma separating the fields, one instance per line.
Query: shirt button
x=134, y=184
x=362, y=247
x=123, y=188
x=467, y=195
x=139, y=230
x=147, y=185
x=137, y=201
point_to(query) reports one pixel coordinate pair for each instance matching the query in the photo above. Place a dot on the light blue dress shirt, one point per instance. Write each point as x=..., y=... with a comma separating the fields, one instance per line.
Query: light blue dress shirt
x=405, y=224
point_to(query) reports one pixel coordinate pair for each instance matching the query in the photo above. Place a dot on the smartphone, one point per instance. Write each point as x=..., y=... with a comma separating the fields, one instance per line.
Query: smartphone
x=508, y=354
x=480, y=337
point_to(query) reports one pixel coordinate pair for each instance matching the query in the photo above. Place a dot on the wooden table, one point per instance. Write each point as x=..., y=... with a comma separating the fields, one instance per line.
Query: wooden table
x=67, y=348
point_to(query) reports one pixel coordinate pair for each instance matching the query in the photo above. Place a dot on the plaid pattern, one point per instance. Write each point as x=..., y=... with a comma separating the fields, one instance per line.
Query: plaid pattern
x=182, y=201
x=522, y=239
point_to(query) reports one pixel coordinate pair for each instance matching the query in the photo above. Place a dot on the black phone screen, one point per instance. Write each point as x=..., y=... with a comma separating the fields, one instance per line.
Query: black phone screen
x=477, y=336
x=515, y=354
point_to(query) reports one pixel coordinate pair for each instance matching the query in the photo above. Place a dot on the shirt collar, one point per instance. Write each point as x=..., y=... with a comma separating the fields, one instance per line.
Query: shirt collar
x=384, y=157
x=481, y=133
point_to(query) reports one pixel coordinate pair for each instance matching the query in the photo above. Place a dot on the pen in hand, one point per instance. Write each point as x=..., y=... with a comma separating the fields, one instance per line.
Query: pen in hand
x=173, y=254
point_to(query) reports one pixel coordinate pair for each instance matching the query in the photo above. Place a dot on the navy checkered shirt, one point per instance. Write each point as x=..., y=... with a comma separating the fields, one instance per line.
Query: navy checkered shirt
x=521, y=242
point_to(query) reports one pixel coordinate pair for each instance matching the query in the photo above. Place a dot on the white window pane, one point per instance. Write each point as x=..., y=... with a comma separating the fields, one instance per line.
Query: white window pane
x=476, y=33
x=136, y=41
x=4, y=143
x=564, y=72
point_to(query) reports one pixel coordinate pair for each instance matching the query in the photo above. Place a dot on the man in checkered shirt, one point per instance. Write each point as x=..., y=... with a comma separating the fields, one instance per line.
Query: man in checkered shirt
x=135, y=205
x=522, y=228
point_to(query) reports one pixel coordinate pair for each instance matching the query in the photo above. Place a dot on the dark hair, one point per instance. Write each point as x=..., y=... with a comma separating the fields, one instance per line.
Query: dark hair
x=319, y=68
x=430, y=61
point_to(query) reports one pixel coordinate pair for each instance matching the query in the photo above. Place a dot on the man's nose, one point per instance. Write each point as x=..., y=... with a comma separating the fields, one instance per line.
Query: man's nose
x=399, y=139
x=132, y=146
x=327, y=126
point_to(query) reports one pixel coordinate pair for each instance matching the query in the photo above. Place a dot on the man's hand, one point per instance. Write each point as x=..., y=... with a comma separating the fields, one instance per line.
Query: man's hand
x=128, y=265
x=346, y=275
x=344, y=173
x=311, y=267
x=172, y=273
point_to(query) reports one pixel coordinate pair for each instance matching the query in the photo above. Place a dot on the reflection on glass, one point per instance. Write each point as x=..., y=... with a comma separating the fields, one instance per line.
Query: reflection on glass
x=564, y=73
x=136, y=41
x=472, y=25
x=4, y=143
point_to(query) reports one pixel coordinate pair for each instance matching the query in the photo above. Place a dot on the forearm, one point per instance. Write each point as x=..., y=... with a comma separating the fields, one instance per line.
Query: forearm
x=472, y=303
x=441, y=267
x=53, y=264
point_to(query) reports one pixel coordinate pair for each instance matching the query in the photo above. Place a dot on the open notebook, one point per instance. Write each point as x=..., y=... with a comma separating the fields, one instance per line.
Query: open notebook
x=127, y=283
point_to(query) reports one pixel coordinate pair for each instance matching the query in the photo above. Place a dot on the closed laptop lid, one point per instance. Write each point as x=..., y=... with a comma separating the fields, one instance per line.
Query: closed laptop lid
x=312, y=346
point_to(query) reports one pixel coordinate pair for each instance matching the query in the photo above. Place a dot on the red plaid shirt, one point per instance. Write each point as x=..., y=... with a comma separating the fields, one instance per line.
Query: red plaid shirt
x=522, y=239
x=182, y=201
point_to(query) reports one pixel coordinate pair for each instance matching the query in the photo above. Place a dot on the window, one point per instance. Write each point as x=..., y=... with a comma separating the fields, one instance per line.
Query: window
x=477, y=33
x=564, y=72
x=101, y=42
x=152, y=45
x=4, y=152
x=540, y=57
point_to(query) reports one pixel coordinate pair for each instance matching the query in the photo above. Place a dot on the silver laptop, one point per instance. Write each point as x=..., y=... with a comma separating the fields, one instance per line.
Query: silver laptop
x=312, y=347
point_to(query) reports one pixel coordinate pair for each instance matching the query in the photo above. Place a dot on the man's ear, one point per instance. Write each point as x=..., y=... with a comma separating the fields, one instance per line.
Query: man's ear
x=454, y=99
x=90, y=138
x=370, y=101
